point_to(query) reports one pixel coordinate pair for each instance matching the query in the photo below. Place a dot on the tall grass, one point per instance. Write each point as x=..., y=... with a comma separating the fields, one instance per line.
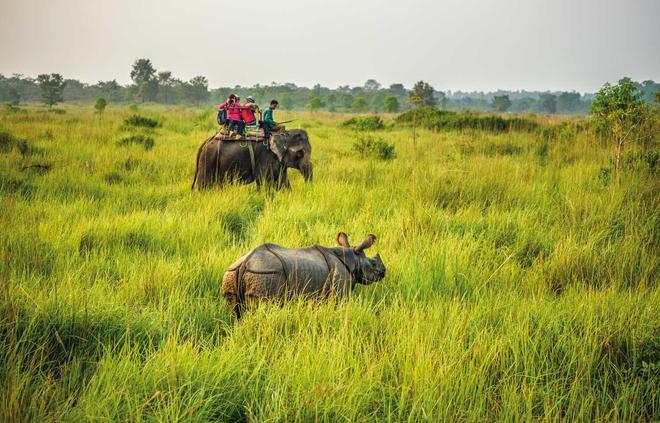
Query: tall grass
x=530, y=294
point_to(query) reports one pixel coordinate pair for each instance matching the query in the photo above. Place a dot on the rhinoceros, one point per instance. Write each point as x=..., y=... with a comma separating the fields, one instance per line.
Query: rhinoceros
x=273, y=272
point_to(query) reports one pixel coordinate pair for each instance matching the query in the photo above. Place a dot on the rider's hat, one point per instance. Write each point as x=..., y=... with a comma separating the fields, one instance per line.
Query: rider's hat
x=250, y=99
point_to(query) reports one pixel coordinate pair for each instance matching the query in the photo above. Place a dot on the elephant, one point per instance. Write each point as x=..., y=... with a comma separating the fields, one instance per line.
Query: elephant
x=228, y=161
x=272, y=272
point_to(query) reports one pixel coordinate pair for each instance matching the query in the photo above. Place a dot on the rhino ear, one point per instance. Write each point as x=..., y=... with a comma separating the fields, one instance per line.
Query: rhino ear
x=278, y=145
x=366, y=243
x=342, y=240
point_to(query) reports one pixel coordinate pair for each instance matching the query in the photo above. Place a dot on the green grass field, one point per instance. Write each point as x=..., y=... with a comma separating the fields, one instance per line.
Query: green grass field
x=522, y=278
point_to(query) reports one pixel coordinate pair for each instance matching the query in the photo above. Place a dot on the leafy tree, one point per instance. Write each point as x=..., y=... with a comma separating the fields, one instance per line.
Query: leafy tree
x=359, y=104
x=443, y=99
x=377, y=101
x=52, y=88
x=424, y=92
x=165, y=83
x=347, y=101
x=371, y=85
x=548, y=103
x=391, y=104
x=287, y=102
x=143, y=71
x=109, y=89
x=315, y=103
x=619, y=111
x=12, y=96
x=330, y=100
x=100, y=104
x=501, y=103
x=197, y=89
x=568, y=103
x=398, y=90
x=143, y=74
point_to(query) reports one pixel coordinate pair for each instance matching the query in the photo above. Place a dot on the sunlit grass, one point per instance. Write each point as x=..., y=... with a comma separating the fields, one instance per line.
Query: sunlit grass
x=526, y=287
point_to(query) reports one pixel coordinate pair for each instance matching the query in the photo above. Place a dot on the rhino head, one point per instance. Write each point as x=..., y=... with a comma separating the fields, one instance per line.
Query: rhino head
x=364, y=270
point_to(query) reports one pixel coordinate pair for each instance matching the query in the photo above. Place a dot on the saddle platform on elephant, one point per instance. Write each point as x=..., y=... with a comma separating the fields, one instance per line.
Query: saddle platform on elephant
x=251, y=134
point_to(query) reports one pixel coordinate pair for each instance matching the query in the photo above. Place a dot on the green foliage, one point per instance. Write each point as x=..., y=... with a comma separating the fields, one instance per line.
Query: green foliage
x=196, y=90
x=391, y=104
x=501, y=103
x=10, y=107
x=315, y=103
x=358, y=105
x=141, y=121
x=367, y=145
x=287, y=102
x=437, y=120
x=364, y=123
x=422, y=94
x=52, y=88
x=143, y=71
x=548, y=103
x=100, y=105
x=621, y=115
x=147, y=142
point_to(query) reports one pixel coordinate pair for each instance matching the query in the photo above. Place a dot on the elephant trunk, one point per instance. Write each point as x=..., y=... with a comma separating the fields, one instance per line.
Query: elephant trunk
x=307, y=170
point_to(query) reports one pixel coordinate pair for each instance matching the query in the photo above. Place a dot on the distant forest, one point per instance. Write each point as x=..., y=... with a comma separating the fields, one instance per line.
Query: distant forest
x=150, y=85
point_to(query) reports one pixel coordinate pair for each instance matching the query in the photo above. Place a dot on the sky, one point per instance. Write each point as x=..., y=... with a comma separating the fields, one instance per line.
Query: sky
x=452, y=44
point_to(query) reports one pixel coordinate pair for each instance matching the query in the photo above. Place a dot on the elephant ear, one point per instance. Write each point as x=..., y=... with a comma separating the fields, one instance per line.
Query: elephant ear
x=278, y=145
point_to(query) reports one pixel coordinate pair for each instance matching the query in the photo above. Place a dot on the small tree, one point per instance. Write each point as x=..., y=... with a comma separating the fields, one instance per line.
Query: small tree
x=619, y=111
x=371, y=85
x=423, y=91
x=359, y=104
x=501, y=103
x=315, y=103
x=143, y=74
x=548, y=103
x=52, y=88
x=199, y=89
x=391, y=104
x=165, y=82
x=287, y=102
x=330, y=101
x=100, y=104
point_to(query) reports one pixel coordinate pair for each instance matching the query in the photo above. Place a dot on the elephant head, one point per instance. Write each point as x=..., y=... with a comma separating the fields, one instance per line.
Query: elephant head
x=365, y=270
x=293, y=149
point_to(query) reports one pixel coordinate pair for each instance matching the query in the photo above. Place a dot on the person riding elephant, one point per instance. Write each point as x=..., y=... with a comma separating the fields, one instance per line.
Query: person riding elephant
x=264, y=163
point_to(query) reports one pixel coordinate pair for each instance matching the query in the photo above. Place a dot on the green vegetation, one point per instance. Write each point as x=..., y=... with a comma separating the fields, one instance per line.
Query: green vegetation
x=368, y=145
x=364, y=123
x=100, y=105
x=150, y=85
x=141, y=121
x=437, y=120
x=52, y=88
x=522, y=279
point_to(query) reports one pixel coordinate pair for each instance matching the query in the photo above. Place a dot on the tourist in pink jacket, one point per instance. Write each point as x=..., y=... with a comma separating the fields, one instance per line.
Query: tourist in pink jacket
x=234, y=107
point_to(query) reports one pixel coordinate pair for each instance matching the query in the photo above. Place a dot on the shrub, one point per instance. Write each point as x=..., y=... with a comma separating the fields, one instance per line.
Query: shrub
x=379, y=148
x=147, y=142
x=9, y=107
x=141, y=121
x=364, y=123
x=9, y=141
x=437, y=120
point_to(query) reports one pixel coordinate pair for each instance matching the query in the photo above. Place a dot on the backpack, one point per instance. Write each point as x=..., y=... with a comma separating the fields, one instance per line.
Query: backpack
x=222, y=116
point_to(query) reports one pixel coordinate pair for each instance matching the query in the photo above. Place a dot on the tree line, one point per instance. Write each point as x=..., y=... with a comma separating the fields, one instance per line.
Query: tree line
x=150, y=85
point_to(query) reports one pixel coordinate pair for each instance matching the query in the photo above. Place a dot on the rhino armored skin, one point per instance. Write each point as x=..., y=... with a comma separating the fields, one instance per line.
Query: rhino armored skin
x=273, y=272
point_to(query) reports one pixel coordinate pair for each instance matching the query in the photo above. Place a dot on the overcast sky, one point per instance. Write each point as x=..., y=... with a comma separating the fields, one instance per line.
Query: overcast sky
x=453, y=44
